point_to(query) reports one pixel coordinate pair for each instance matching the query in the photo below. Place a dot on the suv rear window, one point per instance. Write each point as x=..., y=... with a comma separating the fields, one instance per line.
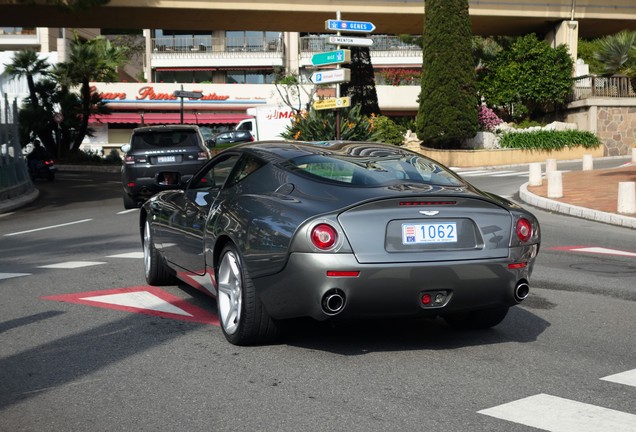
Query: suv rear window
x=153, y=139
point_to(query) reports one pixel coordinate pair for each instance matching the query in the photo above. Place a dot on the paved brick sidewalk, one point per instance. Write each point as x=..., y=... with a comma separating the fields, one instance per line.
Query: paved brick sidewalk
x=595, y=189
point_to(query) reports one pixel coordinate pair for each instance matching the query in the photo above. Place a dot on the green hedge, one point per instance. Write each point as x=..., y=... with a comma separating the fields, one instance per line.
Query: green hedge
x=549, y=140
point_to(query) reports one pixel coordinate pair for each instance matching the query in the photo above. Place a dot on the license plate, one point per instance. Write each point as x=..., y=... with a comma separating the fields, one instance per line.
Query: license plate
x=166, y=159
x=443, y=232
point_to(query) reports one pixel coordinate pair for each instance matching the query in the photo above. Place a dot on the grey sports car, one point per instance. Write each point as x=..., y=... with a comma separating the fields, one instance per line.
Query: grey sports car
x=279, y=230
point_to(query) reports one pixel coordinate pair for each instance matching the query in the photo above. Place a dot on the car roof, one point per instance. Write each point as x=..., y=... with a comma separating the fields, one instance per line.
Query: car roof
x=163, y=128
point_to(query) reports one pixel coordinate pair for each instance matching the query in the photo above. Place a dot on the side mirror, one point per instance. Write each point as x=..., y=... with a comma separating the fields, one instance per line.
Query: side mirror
x=125, y=148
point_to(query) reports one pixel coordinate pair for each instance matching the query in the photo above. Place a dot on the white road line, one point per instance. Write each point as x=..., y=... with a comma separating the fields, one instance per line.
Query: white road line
x=48, y=227
x=127, y=211
x=6, y=214
x=13, y=275
x=72, y=265
x=627, y=378
x=471, y=173
x=510, y=174
x=140, y=300
x=556, y=414
x=127, y=255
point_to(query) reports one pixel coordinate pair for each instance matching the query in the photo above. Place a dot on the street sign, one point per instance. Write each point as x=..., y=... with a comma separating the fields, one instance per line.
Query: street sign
x=188, y=94
x=349, y=26
x=332, y=103
x=331, y=57
x=331, y=76
x=350, y=41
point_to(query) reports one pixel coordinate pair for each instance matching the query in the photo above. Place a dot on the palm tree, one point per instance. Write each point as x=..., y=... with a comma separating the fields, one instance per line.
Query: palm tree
x=27, y=64
x=617, y=53
x=93, y=60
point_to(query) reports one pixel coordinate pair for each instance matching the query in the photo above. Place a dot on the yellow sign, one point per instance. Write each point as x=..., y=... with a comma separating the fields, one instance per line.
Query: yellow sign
x=332, y=103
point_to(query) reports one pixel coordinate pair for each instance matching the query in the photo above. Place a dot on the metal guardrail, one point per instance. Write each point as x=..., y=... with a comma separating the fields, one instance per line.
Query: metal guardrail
x=615, y=86
x=14, y=175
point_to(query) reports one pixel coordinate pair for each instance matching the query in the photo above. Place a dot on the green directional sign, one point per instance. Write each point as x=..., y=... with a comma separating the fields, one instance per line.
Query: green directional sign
x=342, y=56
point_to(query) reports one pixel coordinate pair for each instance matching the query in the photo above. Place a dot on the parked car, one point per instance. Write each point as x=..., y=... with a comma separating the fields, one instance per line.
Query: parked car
x=158, y=158
x=233, y=136
x=279, y=230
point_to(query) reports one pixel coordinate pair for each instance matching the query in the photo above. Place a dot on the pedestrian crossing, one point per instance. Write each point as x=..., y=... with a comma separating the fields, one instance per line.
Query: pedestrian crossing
x=557, y=414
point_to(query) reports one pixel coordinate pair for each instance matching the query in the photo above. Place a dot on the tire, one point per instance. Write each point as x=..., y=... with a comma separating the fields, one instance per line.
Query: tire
x=478, y=319
x=129, y=202
x=156, y=270
x=244, y=320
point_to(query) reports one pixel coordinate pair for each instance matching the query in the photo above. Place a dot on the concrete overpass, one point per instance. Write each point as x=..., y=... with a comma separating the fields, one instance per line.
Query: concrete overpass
x=489, y=17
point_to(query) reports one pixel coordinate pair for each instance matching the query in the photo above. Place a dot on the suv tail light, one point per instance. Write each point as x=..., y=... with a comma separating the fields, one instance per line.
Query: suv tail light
x=129, y=160
x=202, y=156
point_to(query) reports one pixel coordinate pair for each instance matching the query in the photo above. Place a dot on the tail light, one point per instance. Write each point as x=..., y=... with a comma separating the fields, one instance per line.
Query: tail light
x=129, y=160
x=49, y=162
x=523, y=230
x=202, y=155
x=324, y=236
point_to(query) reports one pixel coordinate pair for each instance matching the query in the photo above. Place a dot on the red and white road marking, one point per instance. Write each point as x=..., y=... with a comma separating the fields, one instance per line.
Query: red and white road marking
x=594, y=250
x=146, y=300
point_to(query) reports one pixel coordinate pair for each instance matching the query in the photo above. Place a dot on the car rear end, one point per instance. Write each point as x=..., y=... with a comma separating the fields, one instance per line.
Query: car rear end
x=159, y=156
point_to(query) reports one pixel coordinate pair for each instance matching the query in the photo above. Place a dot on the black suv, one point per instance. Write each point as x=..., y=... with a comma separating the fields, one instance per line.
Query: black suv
x=157, y=158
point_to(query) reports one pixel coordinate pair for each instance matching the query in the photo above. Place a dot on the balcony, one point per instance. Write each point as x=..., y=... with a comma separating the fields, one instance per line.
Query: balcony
x=201, y=50
x=18, y=38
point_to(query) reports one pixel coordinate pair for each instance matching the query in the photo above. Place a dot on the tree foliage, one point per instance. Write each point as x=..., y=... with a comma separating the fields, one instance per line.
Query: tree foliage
x=361, y=88
x=617, y=53
x=528, y=79
x=93, y=60
x=448, y=99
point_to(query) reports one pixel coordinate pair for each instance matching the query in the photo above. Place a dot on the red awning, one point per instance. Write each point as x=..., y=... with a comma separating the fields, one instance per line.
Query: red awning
x=168, y=118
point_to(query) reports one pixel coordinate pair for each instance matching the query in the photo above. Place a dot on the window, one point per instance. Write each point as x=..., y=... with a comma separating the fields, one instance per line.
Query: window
x=215, y=175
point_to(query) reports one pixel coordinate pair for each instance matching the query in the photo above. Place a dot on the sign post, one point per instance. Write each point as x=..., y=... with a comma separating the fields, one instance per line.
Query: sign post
x=186, y=94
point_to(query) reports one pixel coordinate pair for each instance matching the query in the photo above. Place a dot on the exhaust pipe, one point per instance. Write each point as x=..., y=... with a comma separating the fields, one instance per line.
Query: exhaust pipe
x=521, y=291
x=333, y=302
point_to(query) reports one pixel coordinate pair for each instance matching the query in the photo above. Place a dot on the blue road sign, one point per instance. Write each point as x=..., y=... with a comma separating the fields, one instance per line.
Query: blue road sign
x=349, y=26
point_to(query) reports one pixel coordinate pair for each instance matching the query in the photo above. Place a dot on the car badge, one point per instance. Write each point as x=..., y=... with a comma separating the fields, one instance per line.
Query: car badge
x=429, y=212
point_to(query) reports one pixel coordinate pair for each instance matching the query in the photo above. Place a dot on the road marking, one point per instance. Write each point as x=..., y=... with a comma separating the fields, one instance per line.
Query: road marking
x=556, y=414
x=13, y=275
x=147, y=300
x=509, y=174
x=72, y=264
x=127, y=255
x=626, y=378
x=127, y=211
x=594, y=250
x=48, y=227
x=6, y=214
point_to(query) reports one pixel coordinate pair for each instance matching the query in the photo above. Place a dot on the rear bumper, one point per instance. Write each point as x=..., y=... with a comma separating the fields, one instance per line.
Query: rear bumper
x=391, y=289
x=145, y=177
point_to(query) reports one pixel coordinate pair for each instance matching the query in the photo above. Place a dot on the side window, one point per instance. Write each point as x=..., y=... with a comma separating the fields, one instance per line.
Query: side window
x=246, y=166
x=215, y=175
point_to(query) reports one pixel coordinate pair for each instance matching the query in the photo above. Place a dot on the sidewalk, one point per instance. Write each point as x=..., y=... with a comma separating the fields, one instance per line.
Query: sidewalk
x=586, y=194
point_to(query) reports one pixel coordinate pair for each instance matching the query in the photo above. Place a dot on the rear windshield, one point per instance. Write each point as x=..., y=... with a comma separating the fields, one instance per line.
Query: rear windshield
x=164, y=139
x=374, y=171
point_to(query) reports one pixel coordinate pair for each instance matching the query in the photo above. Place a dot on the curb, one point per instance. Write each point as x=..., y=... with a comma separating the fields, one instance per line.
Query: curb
x=22, y=200
x=576, y=211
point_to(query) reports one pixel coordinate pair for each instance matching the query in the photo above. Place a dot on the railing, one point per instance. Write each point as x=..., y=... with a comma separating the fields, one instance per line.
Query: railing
x=207, y=44
x=614, y=86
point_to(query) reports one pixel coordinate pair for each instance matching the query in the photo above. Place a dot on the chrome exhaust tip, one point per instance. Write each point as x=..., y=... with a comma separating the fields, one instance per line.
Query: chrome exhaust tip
x=333, y=302
x=521, y=291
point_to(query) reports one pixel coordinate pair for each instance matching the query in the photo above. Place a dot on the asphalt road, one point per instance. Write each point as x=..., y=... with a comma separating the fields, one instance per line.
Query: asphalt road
x=69, y=362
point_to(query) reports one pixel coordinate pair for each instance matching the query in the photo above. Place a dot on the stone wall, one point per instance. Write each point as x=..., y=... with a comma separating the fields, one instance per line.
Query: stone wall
x=613, y=120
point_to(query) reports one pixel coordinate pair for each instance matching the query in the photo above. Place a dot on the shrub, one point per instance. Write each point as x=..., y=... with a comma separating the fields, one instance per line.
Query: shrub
x=320, y=125
x=549, y=140
x=488, y=120
x=388, y=131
